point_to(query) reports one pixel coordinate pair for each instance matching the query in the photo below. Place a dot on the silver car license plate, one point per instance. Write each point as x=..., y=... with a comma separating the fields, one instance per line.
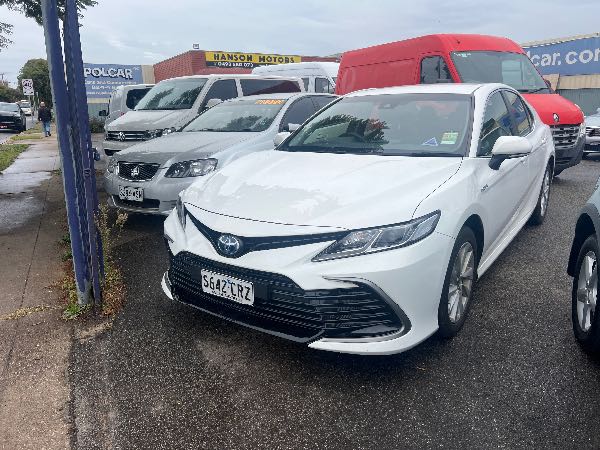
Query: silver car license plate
x=130, y=193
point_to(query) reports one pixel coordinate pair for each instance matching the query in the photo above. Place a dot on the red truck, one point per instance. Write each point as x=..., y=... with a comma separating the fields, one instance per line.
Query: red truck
x=467, y=58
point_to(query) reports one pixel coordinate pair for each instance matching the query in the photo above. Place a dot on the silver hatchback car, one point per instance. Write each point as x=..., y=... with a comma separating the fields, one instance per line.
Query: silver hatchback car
x=148, y=177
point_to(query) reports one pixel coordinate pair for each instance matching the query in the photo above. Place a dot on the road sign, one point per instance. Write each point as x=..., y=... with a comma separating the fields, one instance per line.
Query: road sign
x=27, y=86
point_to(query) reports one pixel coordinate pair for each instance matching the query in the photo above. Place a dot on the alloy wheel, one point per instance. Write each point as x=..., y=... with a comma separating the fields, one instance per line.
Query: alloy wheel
x=461, y=282
x=587, y=291
x=545, y=193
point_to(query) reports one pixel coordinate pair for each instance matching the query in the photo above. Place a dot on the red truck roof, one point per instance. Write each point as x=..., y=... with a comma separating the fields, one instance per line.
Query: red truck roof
x=445, y=43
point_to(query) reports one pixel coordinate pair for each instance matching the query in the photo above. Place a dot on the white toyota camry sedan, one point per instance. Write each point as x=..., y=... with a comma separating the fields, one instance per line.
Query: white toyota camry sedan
x=364, y=231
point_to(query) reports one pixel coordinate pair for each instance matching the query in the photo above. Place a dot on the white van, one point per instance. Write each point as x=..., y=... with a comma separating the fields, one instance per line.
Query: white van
x=124, y=98
x=317, y=76
x=173, y=103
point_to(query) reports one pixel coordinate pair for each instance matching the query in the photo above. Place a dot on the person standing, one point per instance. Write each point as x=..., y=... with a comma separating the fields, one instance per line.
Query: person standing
x=45, y=116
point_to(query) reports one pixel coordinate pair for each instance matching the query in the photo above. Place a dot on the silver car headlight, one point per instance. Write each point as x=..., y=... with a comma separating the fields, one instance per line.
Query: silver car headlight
x=194, y=168
x=113, y=165
x=179, y=206
x=374, y=240
x=168, y=131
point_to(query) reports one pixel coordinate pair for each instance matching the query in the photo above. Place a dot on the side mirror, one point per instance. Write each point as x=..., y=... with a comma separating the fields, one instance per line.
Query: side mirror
x=293, y=127
x=103, y=113
x=280, y=137
x=508, y=147
x=212, y=102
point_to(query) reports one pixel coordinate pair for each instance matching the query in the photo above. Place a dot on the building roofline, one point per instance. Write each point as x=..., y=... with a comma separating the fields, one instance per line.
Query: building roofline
x=559, y=40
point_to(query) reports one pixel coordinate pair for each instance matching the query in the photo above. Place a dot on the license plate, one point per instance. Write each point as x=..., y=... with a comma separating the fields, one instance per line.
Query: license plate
x=227, y=287
x=135, y=194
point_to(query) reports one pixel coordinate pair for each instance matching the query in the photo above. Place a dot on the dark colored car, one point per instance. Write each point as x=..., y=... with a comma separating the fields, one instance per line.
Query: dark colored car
x=12, y=117
x=583, y=267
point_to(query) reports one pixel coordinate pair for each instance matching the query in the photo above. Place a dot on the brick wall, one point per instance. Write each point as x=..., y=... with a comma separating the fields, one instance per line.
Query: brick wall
x=193, y=62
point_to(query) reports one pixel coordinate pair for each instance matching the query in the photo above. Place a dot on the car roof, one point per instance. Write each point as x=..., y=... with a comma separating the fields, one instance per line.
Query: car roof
x=442, y=88
x=283, y=95
x=329, y=67
x=229, y=75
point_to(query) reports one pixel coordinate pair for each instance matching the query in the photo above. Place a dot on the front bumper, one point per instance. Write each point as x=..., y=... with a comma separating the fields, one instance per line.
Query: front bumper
x=569, y=157
x=592, y=144
x=160, y=193
x=328, y=305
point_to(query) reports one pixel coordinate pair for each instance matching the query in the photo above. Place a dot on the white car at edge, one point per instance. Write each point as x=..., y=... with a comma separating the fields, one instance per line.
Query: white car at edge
x=364, y=231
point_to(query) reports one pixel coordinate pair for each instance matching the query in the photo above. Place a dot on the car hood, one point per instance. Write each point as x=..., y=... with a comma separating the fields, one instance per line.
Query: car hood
x=548, y=104
x=181, y=147
x=148, y=120
x=320, y=189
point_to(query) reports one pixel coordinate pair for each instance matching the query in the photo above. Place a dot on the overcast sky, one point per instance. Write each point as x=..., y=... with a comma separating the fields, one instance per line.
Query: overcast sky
x=147, y=31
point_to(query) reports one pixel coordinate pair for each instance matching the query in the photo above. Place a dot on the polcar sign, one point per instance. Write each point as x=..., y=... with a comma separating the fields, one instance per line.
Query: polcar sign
x=102, y=79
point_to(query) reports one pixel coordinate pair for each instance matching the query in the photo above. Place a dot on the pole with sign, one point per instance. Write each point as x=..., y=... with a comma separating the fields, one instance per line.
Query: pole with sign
x=28, y=91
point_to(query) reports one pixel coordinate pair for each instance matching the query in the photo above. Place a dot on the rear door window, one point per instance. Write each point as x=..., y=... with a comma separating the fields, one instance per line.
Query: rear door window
x=434, y=70
x=323, y=86
x=258, y=86
x=221, y=89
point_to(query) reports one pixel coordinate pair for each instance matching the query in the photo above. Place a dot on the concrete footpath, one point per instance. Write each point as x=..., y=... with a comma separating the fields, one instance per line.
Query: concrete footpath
x=34, y=340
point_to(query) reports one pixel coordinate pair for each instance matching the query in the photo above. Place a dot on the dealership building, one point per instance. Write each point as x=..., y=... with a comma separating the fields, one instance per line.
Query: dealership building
x=102, y=79
x=572, y=65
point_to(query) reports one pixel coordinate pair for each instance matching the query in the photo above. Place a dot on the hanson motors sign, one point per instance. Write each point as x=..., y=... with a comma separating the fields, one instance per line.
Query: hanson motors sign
x=102, y=79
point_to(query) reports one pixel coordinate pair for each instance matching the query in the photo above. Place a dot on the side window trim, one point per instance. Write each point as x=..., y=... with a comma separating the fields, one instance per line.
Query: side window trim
x=497, y=91
x=512, y=118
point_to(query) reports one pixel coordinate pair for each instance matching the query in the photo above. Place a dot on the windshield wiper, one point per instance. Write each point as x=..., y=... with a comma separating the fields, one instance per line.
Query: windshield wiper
x=427, y=154
x=531, y=91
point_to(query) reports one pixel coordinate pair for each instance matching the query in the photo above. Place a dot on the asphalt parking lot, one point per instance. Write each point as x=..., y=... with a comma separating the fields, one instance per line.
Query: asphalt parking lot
x=166, y=376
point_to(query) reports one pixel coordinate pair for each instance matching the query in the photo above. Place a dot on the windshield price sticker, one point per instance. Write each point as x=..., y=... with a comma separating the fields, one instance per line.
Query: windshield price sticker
x=269, y=102
x=449, y=138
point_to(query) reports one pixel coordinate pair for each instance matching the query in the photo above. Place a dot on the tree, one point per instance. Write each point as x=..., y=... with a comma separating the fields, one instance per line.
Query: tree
x=37, y=70
x=8, y=94
x=33, y=9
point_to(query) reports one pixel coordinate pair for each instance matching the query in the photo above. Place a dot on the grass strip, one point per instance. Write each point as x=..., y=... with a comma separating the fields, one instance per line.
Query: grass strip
x=26, y=136
x=8, y=153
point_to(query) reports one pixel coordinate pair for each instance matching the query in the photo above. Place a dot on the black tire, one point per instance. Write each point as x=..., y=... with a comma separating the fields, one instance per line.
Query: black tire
x=540, y=211
x=447, y=326
x=589, y=339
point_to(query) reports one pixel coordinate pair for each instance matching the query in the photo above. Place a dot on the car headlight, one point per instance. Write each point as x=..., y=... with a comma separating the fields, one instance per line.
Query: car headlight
x=153, y=134
x=180, y=211
x=113, y=165
x=168, y=131
x=582, y=130
x=195, y=168
x=379, y=239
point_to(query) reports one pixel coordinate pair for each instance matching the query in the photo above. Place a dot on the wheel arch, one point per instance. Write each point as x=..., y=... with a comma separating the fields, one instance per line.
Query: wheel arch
x=583, y=229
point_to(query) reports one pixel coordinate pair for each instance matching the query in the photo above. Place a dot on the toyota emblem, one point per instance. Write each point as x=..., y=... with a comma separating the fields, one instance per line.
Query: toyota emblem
x=229, y=245
x=135, y=172
x=556, y=118
x=121, y=136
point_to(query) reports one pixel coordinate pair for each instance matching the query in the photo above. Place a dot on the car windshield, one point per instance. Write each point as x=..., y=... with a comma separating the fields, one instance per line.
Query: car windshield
x=239, y=115
x=393, y=124
x=9, y=107
x=514, y=69
x=172, y=94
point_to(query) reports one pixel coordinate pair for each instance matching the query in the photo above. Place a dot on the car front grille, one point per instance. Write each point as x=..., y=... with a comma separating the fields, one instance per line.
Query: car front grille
x=592, y=131
x=281, y=307
x=126, y=136
x=565, y=136
x=137, y=171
